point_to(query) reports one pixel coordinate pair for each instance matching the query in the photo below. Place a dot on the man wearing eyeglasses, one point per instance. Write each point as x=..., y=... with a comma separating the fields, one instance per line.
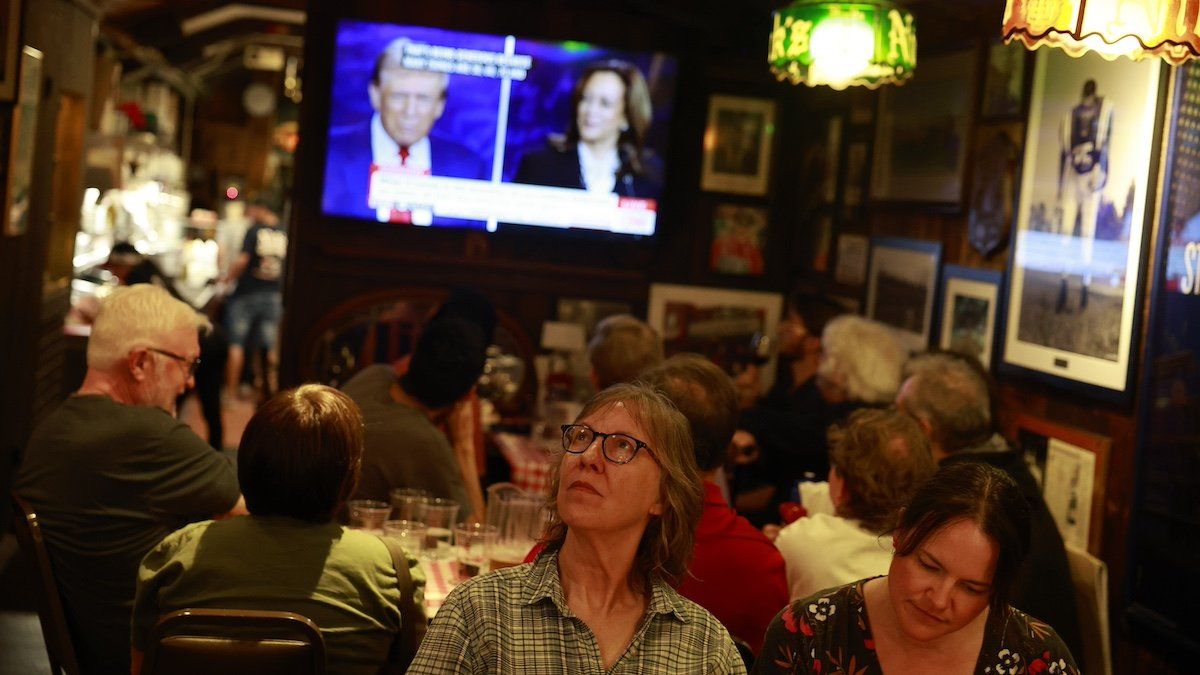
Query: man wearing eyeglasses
x=111, y=471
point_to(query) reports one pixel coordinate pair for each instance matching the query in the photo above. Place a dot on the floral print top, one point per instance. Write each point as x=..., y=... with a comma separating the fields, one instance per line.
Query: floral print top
x=829, y=633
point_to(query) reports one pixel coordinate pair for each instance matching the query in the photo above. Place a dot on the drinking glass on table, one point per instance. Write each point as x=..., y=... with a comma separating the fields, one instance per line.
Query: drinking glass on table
x=439, y=516
x=368, y=514
x=519, y=519
x=406, y=503
x=409, y=533
x=475, y=542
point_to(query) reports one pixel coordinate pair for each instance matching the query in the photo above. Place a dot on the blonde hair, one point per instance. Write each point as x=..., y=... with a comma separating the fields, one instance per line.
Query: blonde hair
x=666, y=545
x=142, y=315
x=865, y=357
x=622, y=348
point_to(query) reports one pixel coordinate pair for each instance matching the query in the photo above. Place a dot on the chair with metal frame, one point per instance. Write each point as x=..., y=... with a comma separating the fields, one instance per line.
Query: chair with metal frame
x=233, y=642
x=55, y=632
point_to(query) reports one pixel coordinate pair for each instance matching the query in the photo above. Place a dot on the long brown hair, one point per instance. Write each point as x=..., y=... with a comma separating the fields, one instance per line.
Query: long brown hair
x=666, y=545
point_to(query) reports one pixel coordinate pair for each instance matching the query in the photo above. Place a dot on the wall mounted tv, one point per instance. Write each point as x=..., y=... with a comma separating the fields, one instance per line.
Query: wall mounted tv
x=441, y=128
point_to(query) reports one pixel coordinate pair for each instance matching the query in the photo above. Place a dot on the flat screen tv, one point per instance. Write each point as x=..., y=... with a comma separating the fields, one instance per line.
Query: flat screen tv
x=442, y=128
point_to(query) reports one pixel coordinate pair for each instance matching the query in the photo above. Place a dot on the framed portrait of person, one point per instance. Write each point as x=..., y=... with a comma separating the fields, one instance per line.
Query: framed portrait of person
x=739, y=236
x=902, y=285
x=1076, y=266
x=738, y=141
x=1071, y=468
x=922, y=134
x=728, y=326
x=969, y=300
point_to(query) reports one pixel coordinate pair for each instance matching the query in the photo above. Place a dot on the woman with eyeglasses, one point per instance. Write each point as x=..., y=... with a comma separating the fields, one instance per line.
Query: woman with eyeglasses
x=625, y=499
x=942, y=607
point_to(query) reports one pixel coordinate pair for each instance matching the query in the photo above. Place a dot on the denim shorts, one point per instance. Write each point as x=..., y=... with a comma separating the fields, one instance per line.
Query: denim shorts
x=242, y=312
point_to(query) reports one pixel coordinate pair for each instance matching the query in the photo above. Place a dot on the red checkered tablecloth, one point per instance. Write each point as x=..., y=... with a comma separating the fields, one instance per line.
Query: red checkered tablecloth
x=531, y=461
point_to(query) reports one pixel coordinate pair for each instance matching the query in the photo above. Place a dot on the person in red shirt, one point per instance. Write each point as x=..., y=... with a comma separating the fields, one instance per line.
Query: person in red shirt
x=736, y=572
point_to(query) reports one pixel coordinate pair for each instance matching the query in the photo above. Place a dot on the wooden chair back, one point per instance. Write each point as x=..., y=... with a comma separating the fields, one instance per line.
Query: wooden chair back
x=55, y=632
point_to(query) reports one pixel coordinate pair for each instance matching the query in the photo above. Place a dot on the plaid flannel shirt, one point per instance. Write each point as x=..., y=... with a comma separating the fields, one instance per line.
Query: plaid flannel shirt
x=516, y=620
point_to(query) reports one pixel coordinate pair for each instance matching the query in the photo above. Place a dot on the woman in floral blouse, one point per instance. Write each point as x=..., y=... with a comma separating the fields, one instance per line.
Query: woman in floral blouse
x=943, y=607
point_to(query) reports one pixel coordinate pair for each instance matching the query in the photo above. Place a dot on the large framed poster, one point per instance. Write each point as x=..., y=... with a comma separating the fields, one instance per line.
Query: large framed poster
x=1076, y=266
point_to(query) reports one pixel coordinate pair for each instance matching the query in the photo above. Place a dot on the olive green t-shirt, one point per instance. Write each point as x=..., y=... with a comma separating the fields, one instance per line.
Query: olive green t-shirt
x=342, y=579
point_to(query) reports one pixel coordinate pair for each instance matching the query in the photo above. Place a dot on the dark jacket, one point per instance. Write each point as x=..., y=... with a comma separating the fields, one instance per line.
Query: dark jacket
x=559, y=167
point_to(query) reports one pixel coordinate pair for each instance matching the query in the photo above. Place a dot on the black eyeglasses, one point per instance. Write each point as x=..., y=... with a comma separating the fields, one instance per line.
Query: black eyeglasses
x=616, y=448
x=192, y=364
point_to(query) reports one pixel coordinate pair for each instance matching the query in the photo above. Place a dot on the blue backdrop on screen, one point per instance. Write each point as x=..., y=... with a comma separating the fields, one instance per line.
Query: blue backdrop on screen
x=539, y=105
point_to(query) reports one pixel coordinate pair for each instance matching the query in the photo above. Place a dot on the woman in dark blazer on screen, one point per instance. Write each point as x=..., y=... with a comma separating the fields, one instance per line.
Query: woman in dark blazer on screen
x=603, y=149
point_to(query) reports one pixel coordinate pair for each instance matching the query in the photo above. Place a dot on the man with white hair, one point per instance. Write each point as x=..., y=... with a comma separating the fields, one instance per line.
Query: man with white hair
x=407, y=104
x=111, y=471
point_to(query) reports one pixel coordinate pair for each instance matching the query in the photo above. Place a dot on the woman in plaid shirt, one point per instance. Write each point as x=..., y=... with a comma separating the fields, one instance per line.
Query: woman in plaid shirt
x=626, y=497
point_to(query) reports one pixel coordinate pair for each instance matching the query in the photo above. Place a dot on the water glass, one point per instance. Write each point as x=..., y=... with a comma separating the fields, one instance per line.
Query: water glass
x=406, y=503
x=439, y=516
x=410, y=534
x=368, y=514
x=475, y=542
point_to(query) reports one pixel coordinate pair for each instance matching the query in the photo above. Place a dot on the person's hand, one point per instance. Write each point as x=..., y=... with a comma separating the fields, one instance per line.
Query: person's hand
x=771, y=531
x=743, y=449
x=749, y=387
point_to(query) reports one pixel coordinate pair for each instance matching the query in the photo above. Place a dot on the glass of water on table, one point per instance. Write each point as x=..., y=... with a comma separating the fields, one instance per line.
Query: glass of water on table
x=475, y=542
x=439, y=516
x=368, y=514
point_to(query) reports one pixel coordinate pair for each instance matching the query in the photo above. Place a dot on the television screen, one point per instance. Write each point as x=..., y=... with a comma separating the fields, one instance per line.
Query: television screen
x=442, y=128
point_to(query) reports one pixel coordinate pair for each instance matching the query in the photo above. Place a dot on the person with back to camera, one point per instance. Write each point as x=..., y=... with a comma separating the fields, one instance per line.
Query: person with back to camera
x=877, y=459
x=298, y=463
x=735, y=572
x=943, y=606
x=622, y=348
x=604, y=147
x=624, y=503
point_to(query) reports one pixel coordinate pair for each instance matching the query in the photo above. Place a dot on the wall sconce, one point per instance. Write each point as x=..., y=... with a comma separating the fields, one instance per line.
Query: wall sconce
x=841, y=44
x=1111, y=28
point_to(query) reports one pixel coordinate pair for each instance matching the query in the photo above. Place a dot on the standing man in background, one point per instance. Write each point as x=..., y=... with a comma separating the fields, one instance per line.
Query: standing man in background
x=258, y=271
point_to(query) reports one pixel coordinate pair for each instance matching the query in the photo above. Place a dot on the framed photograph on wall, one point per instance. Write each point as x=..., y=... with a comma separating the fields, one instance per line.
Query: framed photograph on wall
x=852, y=252
x=1075, y=272
x=738, y=141
x=902, y=284
x=23, y=136
x=1071, y=466
x=921, y=136
x=10, y=47
x=969, y=300
x=739, y=234
x=1004, y=81
x=725, y=325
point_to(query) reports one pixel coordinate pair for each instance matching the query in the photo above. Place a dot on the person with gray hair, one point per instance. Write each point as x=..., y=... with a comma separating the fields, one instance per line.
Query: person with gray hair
x=949, y=397
x=622, y=347
x=111, y=471
x=408, y=100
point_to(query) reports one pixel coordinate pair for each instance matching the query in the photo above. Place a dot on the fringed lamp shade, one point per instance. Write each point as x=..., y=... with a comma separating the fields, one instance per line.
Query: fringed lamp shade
x=1111, y=28
x=842, y=44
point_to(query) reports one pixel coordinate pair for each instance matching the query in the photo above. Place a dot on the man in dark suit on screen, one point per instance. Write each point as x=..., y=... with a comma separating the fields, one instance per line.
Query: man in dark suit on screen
x=407, y=103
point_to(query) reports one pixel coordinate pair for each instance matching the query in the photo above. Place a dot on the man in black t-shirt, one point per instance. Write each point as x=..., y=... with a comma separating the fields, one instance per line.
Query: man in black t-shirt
x=258, y=271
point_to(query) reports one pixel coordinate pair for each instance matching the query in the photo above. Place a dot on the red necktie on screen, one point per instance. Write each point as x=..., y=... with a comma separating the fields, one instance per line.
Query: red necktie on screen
x=402, y=217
